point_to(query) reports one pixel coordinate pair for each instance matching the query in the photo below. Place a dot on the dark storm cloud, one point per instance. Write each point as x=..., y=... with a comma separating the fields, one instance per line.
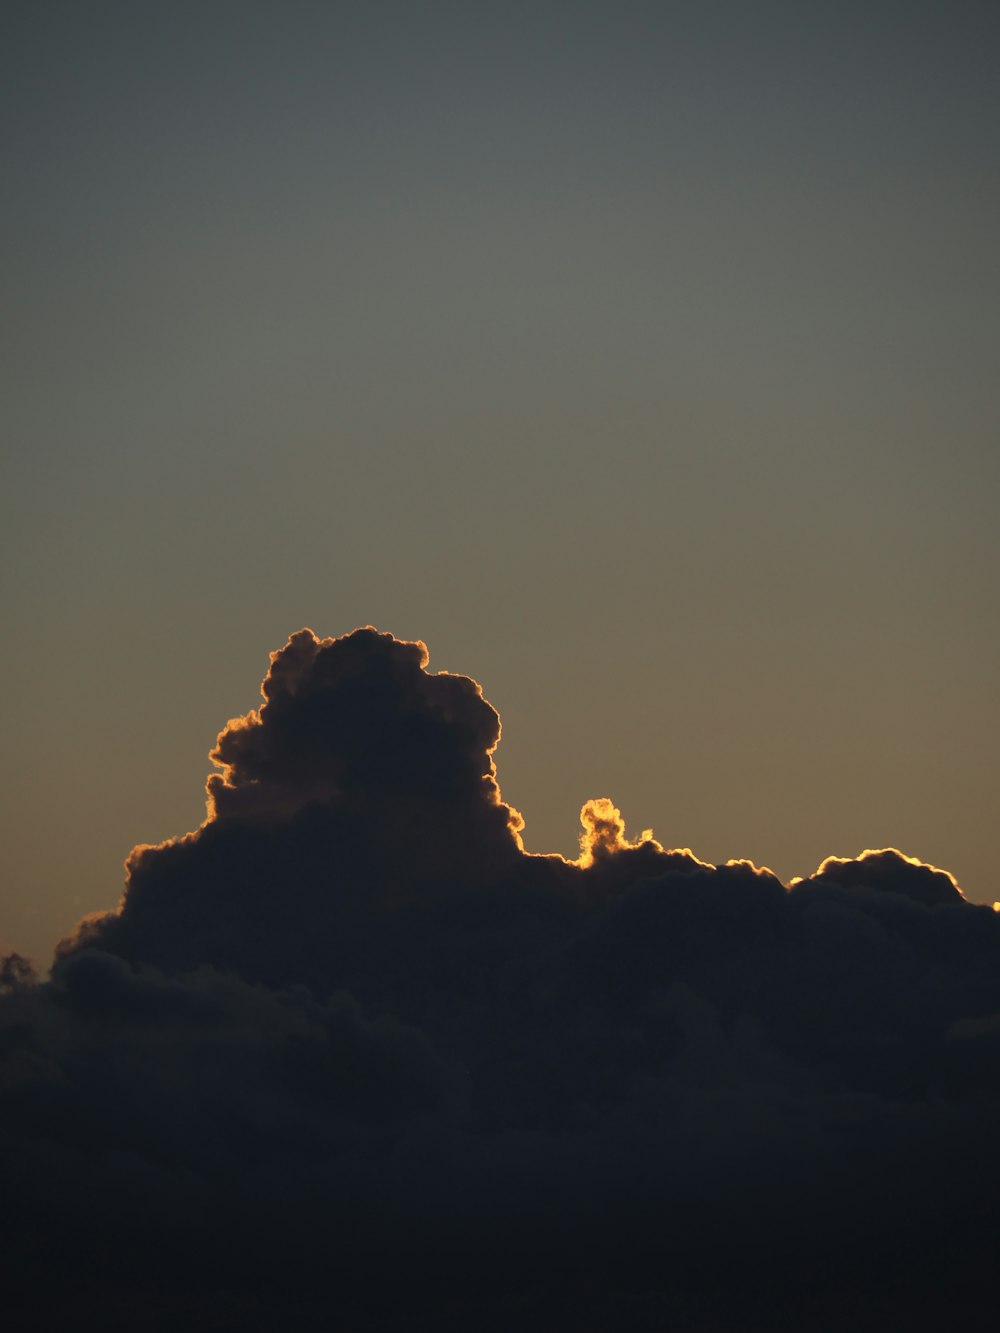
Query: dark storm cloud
x=347, y=1049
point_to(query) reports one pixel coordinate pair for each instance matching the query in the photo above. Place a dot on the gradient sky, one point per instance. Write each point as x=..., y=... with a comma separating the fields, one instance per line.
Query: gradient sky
x=640, y=358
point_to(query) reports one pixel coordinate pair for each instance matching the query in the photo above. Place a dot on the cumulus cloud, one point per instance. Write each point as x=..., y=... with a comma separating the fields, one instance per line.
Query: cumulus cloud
x=348, y=1049
x=890, y=871
x=359, y=722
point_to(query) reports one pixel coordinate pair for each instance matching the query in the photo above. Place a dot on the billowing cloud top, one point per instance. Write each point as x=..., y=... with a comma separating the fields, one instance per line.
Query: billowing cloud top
x=359, y=722
x=349, y=1028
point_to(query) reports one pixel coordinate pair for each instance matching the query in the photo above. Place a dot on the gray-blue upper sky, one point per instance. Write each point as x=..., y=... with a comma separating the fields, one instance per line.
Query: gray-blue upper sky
x=641, y=358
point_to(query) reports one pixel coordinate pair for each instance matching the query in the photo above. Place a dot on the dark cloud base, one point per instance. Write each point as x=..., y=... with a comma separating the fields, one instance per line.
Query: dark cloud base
x=348, y=1057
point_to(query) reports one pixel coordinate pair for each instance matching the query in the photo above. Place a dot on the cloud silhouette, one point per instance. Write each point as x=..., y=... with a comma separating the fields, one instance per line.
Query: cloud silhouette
x=348, y=1050
x=358, y=722
x=889, y=871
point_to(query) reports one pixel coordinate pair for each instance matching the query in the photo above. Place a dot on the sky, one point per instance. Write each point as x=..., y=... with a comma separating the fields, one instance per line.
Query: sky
x=641, y=359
